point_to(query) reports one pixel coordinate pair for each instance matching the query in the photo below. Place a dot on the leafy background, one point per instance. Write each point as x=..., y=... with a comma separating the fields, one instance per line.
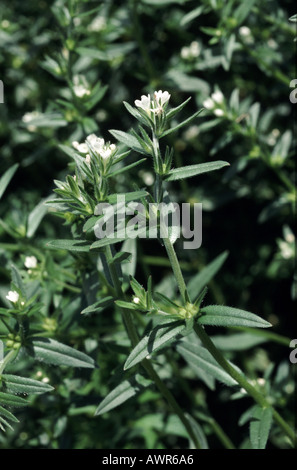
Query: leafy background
x=125, y=49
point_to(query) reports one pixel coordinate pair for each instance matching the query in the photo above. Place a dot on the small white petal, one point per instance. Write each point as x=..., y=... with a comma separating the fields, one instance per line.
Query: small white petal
x=30, y=262
x=13, y=296
x=136, y=300
x=219, y=112
x=217, y=97
x=208, y=103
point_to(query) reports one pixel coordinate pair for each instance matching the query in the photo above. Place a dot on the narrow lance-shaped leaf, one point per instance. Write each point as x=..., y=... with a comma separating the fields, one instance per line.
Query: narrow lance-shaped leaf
x=70, y=245
x=260, y=427
x=128, y=140
x=199, y=358
x=98, y=306
x=12, y=400
x=36, y=216
x=182, y=124
x=193, y=170
x=18, y=384
x=6, y=178
x=53, y=352
x=153, y=341
x=219, y=315
x=198, y=282
x=8, y=415
x=127, y=389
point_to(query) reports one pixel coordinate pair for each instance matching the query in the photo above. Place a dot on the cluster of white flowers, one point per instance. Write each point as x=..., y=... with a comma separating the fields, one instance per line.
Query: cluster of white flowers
x=215, y=102
x=97, y=145
x=191, y=52
x=155, y=104
x=80, y=86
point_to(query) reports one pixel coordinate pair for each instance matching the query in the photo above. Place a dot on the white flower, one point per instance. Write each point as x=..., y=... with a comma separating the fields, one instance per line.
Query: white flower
x=80, y=86
x=144, y=103
x=161, y=97
x=219, y=112
x=217, y=96
x=96, y=143
x=88, y=159
x=30, y=262
x=195, y=49
x=30, y=116
x=208, y=103
x=13, y=296
x=99, y=147
x=246, y=35
x=244, y=31
x=136, y=300
x=82, y=148
x=185, y=52
x=80, y=91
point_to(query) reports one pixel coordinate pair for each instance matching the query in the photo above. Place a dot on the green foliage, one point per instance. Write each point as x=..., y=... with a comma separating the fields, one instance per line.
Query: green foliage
x=195, y=100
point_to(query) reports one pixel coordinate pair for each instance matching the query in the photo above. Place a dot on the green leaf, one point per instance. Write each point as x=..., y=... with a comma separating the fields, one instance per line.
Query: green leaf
x=192, y=15
x=70, y=245
x=243, y=10
x=176, y=110
x=105, y=242
x=98, y=306
x=198, y=431
x=193, y=170
x=12, y=400
x=8, y=415
x=36, y=216
x=154, y=341
x=126, y=168
x=121, y=257
x=219, y=315
x=183, y=123
x=128, y=140
x=260, y=427
x=24, y=385
x=52, y=352
x=135, y=113
x=17, y=279
x=198, y=282
x=237, y=341
x=6, y=178
x=199, y=358
x=127, y=389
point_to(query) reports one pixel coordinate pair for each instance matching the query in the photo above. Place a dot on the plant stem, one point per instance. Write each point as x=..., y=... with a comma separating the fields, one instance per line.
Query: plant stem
x=175, y=267
x=217, y=355
x=133, y=336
